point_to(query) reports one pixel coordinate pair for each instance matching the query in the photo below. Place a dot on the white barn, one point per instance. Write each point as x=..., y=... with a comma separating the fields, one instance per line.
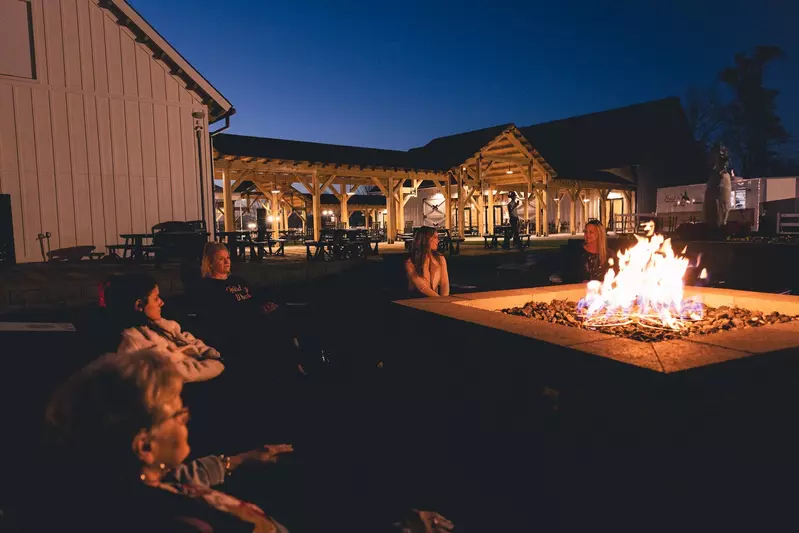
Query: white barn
x=104, y=127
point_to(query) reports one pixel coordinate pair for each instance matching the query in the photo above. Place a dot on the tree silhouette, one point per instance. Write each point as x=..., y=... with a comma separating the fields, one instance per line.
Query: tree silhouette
x=754, y=129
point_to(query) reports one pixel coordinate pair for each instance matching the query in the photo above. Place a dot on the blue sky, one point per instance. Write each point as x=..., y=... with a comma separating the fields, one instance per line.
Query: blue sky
x=397, y=74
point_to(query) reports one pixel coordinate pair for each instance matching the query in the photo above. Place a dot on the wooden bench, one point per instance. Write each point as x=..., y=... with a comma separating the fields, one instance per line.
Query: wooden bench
x=319, y=250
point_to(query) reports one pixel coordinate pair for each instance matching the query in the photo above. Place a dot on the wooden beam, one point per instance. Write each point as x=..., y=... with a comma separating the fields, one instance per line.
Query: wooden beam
x=380, y=186
x=327, y=183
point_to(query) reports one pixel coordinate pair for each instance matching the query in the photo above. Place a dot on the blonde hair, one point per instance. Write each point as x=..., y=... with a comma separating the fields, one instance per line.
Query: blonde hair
x=210, y=250
x=602, y=241
x=98, y=412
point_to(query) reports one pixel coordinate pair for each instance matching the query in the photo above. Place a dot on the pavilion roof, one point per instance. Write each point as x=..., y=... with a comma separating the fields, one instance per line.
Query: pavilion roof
x=312, y=152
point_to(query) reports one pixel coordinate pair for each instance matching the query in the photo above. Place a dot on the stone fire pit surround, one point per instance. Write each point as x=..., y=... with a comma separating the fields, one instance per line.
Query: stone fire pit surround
x=664, y=357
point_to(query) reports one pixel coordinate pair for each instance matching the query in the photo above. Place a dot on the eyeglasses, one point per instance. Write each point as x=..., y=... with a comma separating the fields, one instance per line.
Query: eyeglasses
x=182, y=415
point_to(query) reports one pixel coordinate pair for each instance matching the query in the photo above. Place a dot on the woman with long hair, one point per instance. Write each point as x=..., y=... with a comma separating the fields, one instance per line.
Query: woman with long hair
x=134, y=304
x=426, y=268
x=592, y=261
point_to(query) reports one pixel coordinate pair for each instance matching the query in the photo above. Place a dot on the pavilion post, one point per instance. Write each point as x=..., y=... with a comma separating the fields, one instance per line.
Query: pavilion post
x=343, y=198
x=603, y=214
x=627, y=210
x=527, y=195
x=574, y=196
x=461, y=203
x=545, y=206
x=275, y=210
x=490, y=214
x=448, y=203
x=537, y=212
x=558, y=200
x=400, y=206
x=317, y=211
x=227, y=200
x=479, y=187
x=391, y=231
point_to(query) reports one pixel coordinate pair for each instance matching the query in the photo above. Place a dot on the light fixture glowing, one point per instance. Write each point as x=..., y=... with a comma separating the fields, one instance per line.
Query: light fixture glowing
x=270, y=218
x=509, y=171
x=275, y=191
x=350, y=193
x=586, y=200
x=252, y=225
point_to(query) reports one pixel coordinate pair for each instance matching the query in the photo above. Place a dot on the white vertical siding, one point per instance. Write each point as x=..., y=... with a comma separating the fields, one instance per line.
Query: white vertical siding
x=102, y=142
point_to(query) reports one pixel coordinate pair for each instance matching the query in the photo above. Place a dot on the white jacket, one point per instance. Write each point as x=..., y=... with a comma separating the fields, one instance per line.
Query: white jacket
x=195, y=360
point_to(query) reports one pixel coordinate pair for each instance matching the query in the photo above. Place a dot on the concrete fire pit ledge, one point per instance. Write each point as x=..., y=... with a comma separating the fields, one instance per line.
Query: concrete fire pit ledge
x=483, y=309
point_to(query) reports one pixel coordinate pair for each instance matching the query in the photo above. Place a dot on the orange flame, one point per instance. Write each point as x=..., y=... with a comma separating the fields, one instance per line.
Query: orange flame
x=648, y=288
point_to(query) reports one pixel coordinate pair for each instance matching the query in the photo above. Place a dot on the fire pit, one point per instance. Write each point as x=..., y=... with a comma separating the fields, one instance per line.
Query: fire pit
x=666, y=356
x=708, y=320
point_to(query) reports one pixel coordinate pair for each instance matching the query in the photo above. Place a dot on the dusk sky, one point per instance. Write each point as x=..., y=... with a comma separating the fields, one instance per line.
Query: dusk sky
x=397, y=74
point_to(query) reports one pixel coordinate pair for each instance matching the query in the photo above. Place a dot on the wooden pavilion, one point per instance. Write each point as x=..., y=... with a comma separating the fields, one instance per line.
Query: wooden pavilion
x=469, y=169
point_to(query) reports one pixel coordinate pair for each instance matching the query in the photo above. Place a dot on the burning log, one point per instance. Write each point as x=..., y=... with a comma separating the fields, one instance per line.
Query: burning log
x=707, y=320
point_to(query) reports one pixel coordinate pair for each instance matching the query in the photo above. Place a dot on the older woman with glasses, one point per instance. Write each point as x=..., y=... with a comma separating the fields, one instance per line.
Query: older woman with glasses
x=119, y=430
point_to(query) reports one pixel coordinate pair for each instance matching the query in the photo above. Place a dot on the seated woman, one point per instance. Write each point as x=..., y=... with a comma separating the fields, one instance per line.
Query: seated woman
x=229, y=307
x=134, y=304
x=589, y=261
x=123, y=415
x=118, y=428
x=426, y=268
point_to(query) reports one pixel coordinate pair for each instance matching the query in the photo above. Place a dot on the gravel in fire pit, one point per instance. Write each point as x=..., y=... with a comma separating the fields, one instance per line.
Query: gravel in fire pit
x=715, y=319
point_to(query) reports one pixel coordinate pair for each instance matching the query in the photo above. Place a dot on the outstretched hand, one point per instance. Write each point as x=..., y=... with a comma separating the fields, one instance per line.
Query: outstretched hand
x=269, y=453
x=426, y=522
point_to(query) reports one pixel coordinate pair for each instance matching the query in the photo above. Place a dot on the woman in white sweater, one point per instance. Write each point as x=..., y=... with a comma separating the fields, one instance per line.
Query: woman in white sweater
x=425, y=268
x=135, y=303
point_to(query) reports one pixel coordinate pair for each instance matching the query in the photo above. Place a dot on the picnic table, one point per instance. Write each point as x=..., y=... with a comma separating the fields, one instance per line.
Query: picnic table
x=341, y=244
x=294, y=235
x=134, y=242
x=491, y=240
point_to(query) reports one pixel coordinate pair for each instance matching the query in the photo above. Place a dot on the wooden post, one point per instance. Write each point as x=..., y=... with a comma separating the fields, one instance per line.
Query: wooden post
x=448, y=203
x=461, y=203
x=626, y=207
x=574, y=196
x=537, y=212
x=343, y=199
x=528, y=194
x=275, y=213
x=227, y=200
x=559, y=198
x=400, y=206
x=545, y=206
x=391, y=231
x=317, y=207
x=479, y=187
x=490, y=214
x=603, y=208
